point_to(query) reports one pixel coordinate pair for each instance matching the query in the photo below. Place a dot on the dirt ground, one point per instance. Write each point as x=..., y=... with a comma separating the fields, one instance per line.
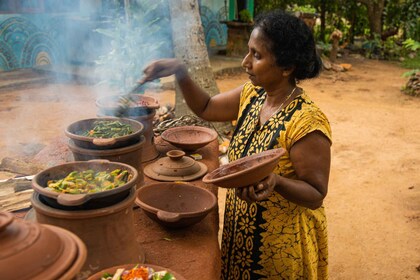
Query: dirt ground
x=373, y=204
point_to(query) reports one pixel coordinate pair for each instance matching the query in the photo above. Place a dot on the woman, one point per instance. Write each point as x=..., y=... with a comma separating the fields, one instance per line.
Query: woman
x=275, y=229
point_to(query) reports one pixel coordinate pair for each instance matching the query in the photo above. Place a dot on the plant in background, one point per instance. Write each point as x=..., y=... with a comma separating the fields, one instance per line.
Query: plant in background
x=133, y=43
x=373, y=47
x=307, y=9
x=245, y=16
x=411, y=59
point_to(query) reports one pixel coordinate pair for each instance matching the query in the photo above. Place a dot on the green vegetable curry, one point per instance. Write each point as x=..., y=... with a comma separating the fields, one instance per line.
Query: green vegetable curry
x=90, y=181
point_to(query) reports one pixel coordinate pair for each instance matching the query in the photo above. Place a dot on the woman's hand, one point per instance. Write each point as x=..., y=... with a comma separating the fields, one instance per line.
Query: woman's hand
x=163, y=68
x=259, y=191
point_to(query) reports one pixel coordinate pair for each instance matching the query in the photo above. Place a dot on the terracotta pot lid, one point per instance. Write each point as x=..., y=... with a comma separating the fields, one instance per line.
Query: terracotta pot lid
x=175, y=167
x=34, y=251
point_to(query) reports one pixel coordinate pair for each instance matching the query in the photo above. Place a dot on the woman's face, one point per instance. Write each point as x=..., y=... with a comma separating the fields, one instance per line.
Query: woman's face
x=260, y=63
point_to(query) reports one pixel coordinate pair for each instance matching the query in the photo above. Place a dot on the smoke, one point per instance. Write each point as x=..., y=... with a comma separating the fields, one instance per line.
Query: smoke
x=103, y=46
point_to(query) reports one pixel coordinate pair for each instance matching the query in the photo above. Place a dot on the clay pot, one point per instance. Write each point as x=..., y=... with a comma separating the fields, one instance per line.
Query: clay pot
x=130, y=155
x=175, y=204
x=112, y=270
x=175, y=167
x=140, y=104
x=40, y=183
x=144, y=113
x=108, y=232
x=75, y=130
x=245, y=171
x=189, y=138
x=38, y=252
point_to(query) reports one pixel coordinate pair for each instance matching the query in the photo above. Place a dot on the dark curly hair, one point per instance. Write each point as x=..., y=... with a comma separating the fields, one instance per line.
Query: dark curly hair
x=292, y=43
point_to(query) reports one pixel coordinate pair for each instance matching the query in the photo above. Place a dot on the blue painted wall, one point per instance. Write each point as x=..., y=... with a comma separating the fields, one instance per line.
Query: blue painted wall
x=28, y=40
x=212, y=12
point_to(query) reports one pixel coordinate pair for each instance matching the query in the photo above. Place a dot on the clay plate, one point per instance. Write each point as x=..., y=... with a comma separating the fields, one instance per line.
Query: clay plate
x=189, y=138
x=112, y=270
x=245, y=171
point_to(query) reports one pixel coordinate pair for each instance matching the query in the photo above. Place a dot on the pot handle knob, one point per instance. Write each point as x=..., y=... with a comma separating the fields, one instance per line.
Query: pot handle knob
x=104, y=141
x=72, y=199
x=168, y=216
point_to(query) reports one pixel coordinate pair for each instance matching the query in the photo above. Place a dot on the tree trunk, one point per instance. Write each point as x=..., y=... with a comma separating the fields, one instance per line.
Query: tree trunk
x=375, y=9
x=190, y=47
x=322, y=17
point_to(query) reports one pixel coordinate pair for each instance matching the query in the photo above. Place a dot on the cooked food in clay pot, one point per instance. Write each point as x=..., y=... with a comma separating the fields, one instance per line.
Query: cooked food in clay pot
x=77, y=183
x=105, y=133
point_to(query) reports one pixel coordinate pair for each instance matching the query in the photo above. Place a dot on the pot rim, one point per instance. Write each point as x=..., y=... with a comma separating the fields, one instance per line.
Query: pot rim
x=190, y=214
x=82, y=214
x=189, y=146
x=272, y=156
x=70, y=130
x=110, y=152
x=154, y=103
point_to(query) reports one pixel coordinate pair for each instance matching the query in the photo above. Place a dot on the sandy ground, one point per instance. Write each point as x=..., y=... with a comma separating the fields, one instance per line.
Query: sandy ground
x=373, y=204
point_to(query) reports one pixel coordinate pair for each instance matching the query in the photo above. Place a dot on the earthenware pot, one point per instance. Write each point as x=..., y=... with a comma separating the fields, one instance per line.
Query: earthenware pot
x=108, y=232
x=130, y=155
x=76, y=130
x=175, y=204
x=143, y=113
x=189, y=138
x=139, y=104
x=40, y=182
x=38, y=252
x=245, y=171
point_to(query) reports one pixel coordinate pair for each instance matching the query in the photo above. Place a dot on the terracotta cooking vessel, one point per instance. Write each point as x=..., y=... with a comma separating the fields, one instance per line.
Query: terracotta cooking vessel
x=75, y=132
x=112, y=270
x=175, y=204
x=140, y=105
x=108, y=232
x=189, y=138
x=175, y=167
x=35, y=251
x=245, y=171
x=40, y=182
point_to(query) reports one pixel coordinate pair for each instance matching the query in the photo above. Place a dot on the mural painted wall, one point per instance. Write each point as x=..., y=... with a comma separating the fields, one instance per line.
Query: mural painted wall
x=26, y=41
x=29, y=40
x=215, y=32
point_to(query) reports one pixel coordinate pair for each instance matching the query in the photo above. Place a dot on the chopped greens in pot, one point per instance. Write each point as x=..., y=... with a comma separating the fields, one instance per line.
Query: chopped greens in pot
x=108, y=129
x=90, y=181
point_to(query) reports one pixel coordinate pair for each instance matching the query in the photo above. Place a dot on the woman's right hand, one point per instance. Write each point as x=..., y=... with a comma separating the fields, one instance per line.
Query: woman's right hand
x=163, y=68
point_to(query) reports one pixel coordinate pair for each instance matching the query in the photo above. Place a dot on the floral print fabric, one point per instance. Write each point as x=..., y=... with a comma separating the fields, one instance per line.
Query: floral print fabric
x=275, y=238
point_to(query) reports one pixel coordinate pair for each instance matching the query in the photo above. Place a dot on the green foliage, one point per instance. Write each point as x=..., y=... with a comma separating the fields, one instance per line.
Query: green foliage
x=267, y=5
x=303, y=9
x=134, y=43
x=411, y=58
x=410, y=73
x=389, y=49
x=411, y=45
x=245, y=16
x=410, y=19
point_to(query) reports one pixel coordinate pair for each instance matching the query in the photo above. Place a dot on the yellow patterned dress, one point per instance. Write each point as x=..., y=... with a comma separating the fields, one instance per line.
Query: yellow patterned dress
x=275, y=238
